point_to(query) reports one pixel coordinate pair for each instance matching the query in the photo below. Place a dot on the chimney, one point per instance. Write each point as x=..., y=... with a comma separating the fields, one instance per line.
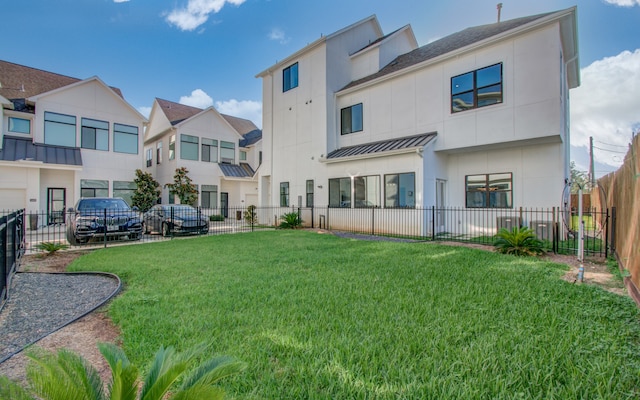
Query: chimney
x=499, y=7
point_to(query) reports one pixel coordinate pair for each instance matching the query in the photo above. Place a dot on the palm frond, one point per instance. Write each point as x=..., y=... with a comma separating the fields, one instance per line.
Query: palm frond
x=124, y=375
x=11, y=390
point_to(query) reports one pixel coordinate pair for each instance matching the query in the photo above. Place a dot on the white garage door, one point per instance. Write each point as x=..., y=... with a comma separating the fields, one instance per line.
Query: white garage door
x=12, y=199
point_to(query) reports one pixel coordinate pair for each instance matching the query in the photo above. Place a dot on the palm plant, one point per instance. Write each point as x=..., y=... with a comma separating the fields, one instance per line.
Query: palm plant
x=66, y=375
x=290, y=221
x=520, y=241
x=51, y=247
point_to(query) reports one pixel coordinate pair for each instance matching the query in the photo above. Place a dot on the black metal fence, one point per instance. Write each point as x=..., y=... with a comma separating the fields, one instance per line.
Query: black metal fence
x=556, y=226
x=11, y=249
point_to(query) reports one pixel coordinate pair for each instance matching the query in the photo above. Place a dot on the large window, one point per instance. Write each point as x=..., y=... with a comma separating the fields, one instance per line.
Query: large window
x=351, y=119
x=477, y=88
x=94, y=188
x=310, y=193
x=400, y=190
x=284, y=194
x=59, y=129
x=172, y=147
x=95, y=134
x=209, y=150
x=489, y=191
x=189, y=147
x=125, y=139
x=366, y=191
x=19, y=125
x=209, y=196
x=340, y=192
x=159, y=152
x=227, y=152
x=290, y=77
x=125, y=190
x=149, y=157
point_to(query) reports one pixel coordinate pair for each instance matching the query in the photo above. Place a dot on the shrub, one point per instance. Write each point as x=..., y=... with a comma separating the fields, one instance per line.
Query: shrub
x=50, y=247
x=290, y=221
x=171, y=375
x=216, y=217
x=520, y=241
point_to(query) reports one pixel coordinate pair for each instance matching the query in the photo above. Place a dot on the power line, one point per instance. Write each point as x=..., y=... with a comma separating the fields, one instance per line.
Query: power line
x=611, y=151
x=612, y=145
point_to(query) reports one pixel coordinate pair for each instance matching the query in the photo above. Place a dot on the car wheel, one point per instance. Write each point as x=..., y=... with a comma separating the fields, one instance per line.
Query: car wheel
x=166, y=231
x=71, y=237
x=145, y=229
x=204, y=231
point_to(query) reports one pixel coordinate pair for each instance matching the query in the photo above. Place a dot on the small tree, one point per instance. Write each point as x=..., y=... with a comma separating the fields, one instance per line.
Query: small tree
x=147, y=191
x=251, y=216
x=579, y=179
x=182, y=187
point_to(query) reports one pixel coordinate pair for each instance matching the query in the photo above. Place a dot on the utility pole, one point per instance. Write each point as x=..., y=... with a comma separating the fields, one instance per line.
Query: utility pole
x=592, y=176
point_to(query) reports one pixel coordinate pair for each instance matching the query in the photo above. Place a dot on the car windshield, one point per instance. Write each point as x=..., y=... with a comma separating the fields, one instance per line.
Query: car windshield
x=101, y=204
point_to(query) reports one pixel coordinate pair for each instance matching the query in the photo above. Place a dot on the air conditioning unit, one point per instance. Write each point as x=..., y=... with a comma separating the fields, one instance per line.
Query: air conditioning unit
x=507, y=222
x=543, y=229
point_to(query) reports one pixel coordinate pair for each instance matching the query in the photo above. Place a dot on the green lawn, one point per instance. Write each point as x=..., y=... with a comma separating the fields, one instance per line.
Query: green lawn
x=317, y=316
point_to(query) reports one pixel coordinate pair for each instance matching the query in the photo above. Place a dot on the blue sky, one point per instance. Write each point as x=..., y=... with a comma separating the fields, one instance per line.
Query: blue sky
x=207, y=52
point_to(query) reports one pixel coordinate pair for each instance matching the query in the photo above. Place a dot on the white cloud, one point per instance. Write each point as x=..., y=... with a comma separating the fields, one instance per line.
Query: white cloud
x=120, y=1
x=624, y=3
x=247, y=109
x=146, y=111
x=198, y=98
x=197, y=12
x=605, y=106
x=278, y=34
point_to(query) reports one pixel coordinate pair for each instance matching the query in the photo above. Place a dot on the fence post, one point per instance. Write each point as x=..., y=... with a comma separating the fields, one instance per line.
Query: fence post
x=373, y=221
x=613, y=229
x=433, y=223
x=312, y=212
x=104, y=223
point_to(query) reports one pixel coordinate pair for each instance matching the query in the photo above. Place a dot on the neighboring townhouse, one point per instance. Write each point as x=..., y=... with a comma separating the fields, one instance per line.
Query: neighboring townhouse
x=220, y=152
x=63, y=138
x=478, y=119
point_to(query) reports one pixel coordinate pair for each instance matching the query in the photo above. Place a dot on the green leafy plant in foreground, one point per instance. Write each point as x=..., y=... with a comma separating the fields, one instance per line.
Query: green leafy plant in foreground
x=290, y=221
x=66, y=375
x=50, y=247
x=520, y=241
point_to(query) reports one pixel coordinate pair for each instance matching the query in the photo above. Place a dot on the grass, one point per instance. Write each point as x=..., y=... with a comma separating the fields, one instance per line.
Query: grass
x=316, y=316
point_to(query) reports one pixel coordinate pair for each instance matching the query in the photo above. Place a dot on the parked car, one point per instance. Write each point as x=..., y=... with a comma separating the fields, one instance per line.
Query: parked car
x=95, y=217
x=175, y=219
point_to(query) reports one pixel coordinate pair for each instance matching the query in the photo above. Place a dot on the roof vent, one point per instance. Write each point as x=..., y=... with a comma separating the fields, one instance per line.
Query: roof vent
x=499, y=7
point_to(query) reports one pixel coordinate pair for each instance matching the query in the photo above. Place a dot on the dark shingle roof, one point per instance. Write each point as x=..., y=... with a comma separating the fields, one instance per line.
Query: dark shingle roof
x=237, y=171
x=383, y=146
x=15, y=149
x=21, y=82
x=448, y=44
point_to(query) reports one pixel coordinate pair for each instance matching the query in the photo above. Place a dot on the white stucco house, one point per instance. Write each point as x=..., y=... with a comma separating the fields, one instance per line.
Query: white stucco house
x=477, y=119
x=63, y=138
x=221, y=153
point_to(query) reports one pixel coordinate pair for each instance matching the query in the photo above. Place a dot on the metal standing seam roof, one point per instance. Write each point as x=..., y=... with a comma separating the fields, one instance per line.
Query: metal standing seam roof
x=16, y=149
x=237, y=171
x=383, y=146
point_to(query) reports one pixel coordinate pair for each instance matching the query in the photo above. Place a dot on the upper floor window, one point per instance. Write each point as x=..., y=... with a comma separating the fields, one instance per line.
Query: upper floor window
x=172, y=147
x=189, y=147
x=400, y=190
x=479, y=88
x=125, y=139
x=489, y=190
x=243, y=155
x=209, y=150
x=94, y=134
x=290, y=77
x=19, y=125
x=159, y=153
x=351, y=119
x=227, y=152
x=149, y=156
x=59, y=129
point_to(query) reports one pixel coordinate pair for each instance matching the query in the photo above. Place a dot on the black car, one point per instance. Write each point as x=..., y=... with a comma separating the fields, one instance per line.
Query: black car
x=100, y=217
x=175, y=219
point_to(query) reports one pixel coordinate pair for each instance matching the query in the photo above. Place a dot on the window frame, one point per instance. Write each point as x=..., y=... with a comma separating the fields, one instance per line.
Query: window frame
x=284, y=194
x=189, y=145
x=210, y=148
x=48, y=122
x=224, y=148
x=309, y=192
x=489, y=201
x=124, y=132
x=12, y=125
x=361, y=199
x=342, y=202
x=149, y=157
x=348, y=124
x=159, y=152
x=94, y=130
x=97, y=187
x=399, y=196
x=475, y=90
x=172, y=147
x=288, y=80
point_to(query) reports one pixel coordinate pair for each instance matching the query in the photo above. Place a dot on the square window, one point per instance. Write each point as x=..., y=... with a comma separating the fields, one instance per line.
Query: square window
x=351, y=119
x=479, y=88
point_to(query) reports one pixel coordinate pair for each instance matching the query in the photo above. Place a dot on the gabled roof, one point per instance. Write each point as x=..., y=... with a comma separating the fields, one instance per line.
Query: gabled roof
x=237, y=171
x=449, y=44
x=16, y=149
x=21, y=82
x=384, y=146
x=176, y=112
